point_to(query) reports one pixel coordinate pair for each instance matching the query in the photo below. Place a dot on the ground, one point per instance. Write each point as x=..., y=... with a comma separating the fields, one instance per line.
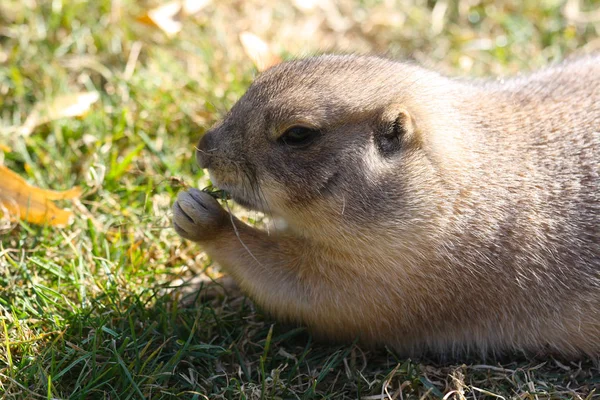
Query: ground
x=91, y=310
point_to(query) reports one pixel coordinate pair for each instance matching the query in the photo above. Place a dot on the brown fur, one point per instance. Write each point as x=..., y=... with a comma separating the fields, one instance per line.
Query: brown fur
x=429, y=214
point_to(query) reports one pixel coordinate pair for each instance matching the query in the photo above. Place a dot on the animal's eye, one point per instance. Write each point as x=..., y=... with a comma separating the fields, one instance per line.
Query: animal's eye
x=299, y=136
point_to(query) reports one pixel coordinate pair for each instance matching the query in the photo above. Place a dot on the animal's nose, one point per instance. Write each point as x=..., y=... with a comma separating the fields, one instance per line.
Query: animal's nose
x=203, y=151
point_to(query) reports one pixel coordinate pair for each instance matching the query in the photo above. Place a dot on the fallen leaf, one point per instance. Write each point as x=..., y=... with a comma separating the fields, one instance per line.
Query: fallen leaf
x=191, y=7
x=258, y=51
x=165, y=17
x=65, y=106
x=32, y=204
x=306, y=5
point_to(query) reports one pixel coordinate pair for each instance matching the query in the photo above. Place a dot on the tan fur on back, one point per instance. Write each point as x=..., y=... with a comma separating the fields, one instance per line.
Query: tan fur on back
x=474, y=230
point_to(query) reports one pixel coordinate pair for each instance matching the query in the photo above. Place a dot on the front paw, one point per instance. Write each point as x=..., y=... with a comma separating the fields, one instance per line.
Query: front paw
x=197, y=216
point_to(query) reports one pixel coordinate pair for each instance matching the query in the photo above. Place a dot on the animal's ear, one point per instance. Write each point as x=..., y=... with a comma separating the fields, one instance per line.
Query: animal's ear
x=395, y=129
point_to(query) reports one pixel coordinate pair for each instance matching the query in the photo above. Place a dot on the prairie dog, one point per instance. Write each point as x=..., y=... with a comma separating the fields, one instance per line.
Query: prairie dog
x=423, y=213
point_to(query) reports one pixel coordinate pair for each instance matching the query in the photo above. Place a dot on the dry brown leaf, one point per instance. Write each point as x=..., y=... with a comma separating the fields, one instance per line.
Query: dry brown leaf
x=306, y=5
x=258, y=51
x=191, y=7
x=65, y=106
x=23, y=201
x=167, y=17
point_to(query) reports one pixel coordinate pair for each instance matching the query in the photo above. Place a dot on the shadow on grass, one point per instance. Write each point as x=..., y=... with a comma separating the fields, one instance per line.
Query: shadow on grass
x=150, y=345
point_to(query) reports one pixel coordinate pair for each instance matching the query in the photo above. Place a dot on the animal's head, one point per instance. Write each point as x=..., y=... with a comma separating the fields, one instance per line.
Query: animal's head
x=322, y=139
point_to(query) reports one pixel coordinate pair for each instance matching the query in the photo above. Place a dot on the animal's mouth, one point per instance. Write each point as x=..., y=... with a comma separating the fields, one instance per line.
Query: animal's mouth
x=218, y=194
x=225, y=191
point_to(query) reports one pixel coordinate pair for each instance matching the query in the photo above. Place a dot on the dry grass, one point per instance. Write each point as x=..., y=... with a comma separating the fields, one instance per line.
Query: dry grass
x=86, y=311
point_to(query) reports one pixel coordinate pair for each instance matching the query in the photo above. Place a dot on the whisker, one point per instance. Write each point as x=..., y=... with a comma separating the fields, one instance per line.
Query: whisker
x=237, y=234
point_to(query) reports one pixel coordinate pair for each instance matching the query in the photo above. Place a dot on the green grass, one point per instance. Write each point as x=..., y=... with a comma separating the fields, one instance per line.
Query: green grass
x=88, y=312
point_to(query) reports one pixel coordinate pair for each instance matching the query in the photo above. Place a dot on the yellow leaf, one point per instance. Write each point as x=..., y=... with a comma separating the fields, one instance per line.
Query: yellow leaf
x=306, y=5
x=65, y=106
x=32, y=204
x=258, y=51
x=165, y=17
x=5, y=148
x=191, y=7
